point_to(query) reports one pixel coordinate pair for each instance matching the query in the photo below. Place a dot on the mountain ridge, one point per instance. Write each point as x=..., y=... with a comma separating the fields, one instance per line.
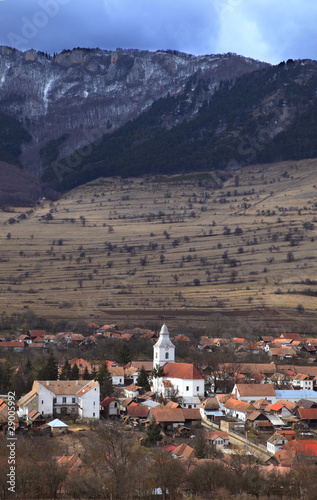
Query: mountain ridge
x=88, y=92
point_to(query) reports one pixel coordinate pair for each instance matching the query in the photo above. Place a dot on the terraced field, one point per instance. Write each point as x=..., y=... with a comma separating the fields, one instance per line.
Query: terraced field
x=173, y=246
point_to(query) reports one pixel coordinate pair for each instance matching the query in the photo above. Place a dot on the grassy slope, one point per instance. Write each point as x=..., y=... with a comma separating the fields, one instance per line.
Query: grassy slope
x=96, y=267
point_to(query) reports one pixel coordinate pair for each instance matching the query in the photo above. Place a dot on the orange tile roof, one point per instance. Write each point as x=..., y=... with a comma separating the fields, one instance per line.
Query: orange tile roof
x=184, y=371
x=235, y=404
x=276, y=407
x=92, y=384
x=116, y=371
x=172, y=404
x=183, y=450
x=212, y=435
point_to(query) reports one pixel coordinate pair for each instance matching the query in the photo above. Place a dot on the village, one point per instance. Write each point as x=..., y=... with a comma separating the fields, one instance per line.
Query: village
x=262, y=412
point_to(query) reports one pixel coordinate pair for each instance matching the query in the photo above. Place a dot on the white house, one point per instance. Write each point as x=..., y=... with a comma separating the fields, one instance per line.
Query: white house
x=182, y=379
x=253, y=392
x=61, y=397
x=217, y=438
x=238, y=409
x=117, y=374
x=210, y=410
x=275, y=442
x=110, y=406
x=302, y=381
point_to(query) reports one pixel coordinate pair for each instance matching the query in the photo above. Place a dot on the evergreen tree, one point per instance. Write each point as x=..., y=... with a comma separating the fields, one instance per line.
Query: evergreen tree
x=6, y=375
x=74, y=373
x=124, y=354
x=143, y=380
x=28, y=376
x=94, y=374
x=50, y=370
x=37, y=369
x=158, y=372
x=153, y=434
x=86, y=374
x=66, y=371
x=105, y=380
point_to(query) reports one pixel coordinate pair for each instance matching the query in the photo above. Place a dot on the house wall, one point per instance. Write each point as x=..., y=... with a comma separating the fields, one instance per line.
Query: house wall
x=274, y=448
x=45, y=400
x=114, y=408
x=23, y=411
x=236, y=414
x=67, y=401
x=118, y=380
x=302, y=384
x=89, y=404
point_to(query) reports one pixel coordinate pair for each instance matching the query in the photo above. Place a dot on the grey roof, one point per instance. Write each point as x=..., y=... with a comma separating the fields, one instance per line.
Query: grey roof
x=276, y=438
x=150, y=403
x=275, y=420
x=305, y=403
x=188, y=400
x=57, y=423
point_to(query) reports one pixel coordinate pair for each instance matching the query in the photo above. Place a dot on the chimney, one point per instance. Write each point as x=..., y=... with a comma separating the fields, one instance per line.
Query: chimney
x=47, y=382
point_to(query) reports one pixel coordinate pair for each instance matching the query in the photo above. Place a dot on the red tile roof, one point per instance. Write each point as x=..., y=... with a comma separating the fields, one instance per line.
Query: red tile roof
x=37, y=333
x=106, y=402
x=163, y=414
x=307, y=413
x=12, y=343
x=184, y=371
x=139, y=411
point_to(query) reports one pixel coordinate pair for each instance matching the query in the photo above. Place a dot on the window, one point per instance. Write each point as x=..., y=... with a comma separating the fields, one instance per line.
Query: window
x=94, y=403
x=93, y=414
x=42, y=402
x=197, y=388
x=73, y=400
x=64, y=399
x=187, y=387
x=156, y=355
x=54, y=401
x=166, y=355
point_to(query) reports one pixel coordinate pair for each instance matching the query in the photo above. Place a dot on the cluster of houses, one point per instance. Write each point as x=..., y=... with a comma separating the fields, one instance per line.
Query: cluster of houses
x=267, y=399
x=288, y=345
x=40, y=339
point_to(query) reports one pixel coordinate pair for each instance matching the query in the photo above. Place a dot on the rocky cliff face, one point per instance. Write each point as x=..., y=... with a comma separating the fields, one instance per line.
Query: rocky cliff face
x=86, y=93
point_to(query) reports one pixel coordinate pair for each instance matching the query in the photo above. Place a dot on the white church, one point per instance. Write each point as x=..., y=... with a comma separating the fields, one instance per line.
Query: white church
x=181, y=379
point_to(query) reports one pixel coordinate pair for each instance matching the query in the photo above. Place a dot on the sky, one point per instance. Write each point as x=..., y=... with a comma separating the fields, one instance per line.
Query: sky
x=267, y=30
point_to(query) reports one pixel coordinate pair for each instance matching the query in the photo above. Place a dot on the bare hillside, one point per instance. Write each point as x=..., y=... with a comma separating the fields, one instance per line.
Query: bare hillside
x=168, y=246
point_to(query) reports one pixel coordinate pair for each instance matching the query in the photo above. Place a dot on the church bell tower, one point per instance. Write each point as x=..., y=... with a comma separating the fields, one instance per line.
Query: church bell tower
x=164, y=349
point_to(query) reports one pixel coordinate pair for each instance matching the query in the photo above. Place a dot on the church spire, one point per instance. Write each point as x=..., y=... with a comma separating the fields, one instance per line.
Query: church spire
x=164, y=349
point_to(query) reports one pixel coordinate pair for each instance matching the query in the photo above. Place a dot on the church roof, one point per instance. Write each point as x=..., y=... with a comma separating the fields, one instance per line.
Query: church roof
x=164, y=338
x=185, y=371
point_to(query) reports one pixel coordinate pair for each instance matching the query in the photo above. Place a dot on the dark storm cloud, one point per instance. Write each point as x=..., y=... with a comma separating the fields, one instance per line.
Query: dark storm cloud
x=262, y=29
